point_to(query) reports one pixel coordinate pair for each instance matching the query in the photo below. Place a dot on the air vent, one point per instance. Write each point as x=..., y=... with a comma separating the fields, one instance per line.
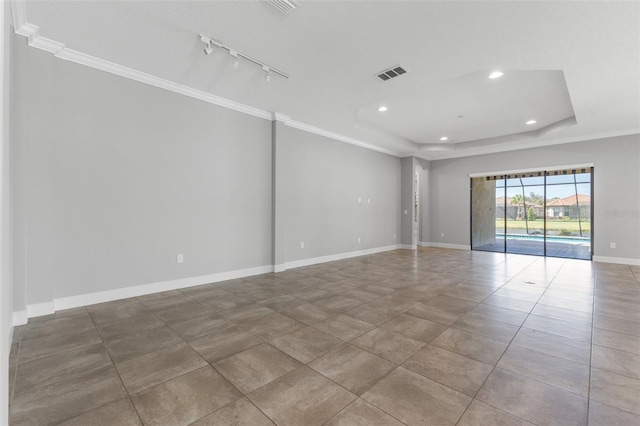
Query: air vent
x=394, y=72
x=284, y=6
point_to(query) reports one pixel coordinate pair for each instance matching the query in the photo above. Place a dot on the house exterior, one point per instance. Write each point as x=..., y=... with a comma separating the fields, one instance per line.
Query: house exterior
x=573, y=206
x=516, y=211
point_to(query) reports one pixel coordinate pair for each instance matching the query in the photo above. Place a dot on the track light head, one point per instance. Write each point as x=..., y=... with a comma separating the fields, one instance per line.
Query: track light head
x=267, y=70
x=236, y=58
x=208, y=50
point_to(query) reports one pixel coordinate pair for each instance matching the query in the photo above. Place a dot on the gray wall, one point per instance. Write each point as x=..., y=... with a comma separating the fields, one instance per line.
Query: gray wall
x=321, y=180
x=406, y=206
x=616, y=187
x=6, y=297
x=114, y=178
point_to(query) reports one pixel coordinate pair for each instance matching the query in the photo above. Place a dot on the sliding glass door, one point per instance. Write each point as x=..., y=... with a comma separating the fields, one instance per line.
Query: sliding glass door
x=544, y=213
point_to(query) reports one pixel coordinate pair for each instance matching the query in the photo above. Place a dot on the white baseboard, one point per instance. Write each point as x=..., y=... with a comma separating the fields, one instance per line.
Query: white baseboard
x=620, y=260
x=19, y=318
x=340, y=256
x=447, y=246
x=408, y=246
x=280, y=268
x=38, y=309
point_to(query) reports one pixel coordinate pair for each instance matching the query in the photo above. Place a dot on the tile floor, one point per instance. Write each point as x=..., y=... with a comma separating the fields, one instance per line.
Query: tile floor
x=433, y=337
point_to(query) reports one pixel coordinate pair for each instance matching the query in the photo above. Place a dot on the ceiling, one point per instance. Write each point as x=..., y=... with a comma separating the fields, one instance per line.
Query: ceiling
x=573, y=67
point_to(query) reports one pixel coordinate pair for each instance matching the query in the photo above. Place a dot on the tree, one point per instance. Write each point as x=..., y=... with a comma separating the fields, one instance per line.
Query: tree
x=516, y=200
x=531, y=215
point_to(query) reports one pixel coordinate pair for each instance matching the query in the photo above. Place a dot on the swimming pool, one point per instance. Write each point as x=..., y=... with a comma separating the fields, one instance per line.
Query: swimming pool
x=555, y=239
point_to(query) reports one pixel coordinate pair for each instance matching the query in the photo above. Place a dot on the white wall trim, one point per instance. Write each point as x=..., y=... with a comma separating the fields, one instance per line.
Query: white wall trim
x=140, y=290
x=619, y=260
x=331, y=135
x=20, y=318
x=32, y=32
x=447, y=246
x=408, y=246
x=339, y=256
x=280, y=268
x=39, y=309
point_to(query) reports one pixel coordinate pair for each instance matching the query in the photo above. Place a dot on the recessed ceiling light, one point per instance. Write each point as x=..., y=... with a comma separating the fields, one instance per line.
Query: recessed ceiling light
x=531, y=122
x=383, y=108
x=496, y=74
x=444, y=138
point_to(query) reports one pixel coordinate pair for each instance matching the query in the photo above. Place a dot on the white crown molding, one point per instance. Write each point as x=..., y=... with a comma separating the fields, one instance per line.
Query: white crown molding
x=618, y=260
x=32, y=32
x=515, y=146
x=341, y=138
x=339, y=256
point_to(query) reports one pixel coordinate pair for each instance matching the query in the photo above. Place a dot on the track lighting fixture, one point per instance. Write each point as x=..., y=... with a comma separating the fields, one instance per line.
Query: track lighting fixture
x=211, y=45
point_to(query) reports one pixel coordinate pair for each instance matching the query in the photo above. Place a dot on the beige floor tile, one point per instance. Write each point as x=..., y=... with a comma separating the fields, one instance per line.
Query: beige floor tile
x=361, y=413
x=613, y=389
x=442, y=309
x=495, y=313
x=67, y=365
x=338, y=303
x=353, y=368
x=157, y=367
x=139, y=344
x=496, y=330
x=414, y=399
x=256, y=367
x=308, y=313
x=302, y=397
x=549, y=369
x=164, y=300
x=118, y=310
x=62, y=326
x=552, y=344
x=474, y=293
x=583, y=318
x=58, y=314
x=509, y=303
x=532, y=400
x=200, y=326
x=450, y=369
x=474, y=346
x=619, y=362
x=605, y=415
x=620, y=325
x=246, y=313
x=374, y=316
x=481, y=414
x=273, y=326
x=414, y=327
x=222, y=302
x=614, y=340
x=224, y=343
x=126, y=327
x=561, y=328
x=119, y=413
x=66, y=399
x=343, y=327
x=183, y=400
x=389, y=345
x=182, y=312
x=39, y=347
x=307, y=344
x=239, y=413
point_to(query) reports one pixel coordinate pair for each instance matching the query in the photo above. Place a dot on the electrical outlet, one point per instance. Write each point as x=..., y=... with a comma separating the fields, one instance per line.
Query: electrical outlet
x=405, y=212
x=301, y=244
x=442, y=234
x=394, y=236
x=613, y=245
x=180, y=258
x=359, y=240
x=359, y=200
x=369, y=200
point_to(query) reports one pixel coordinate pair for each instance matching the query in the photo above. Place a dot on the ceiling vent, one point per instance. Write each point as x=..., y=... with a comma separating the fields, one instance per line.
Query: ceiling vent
x=394, y=72
x=284, y=6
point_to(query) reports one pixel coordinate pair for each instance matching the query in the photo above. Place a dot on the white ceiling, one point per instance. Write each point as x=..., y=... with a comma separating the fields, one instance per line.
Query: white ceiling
x=572, y=66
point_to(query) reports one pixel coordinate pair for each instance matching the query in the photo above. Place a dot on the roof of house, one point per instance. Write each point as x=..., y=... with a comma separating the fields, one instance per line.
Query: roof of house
x=570, y=201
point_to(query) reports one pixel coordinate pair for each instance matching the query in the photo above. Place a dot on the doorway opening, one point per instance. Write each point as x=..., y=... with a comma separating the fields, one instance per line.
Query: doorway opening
x=542, y=213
